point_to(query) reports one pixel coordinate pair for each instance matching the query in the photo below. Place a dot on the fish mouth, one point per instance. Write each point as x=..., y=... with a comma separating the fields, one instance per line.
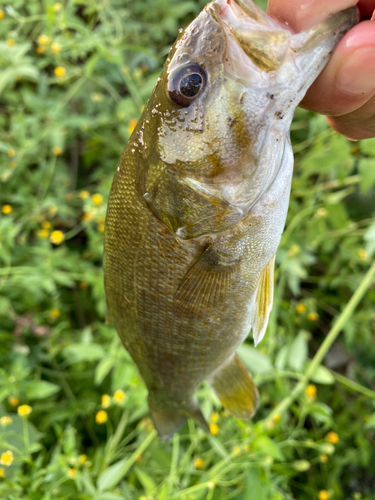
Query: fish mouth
x=268, y=43
x=259, y=36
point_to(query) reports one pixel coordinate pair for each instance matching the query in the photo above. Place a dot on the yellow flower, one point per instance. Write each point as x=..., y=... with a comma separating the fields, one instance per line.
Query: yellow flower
x=1, y=14
x=44, y=40
x=10, y=42
x=321, y=212
x=214, y=429
x=56, y=48
x=366, y=418
x=236, y=450
x=13, y=401
x=52, y=209
x=198, y=463
x=132, y=124
x=40, y=49
x=6, y=209
x=84, y=194
x=55, y=313
x=106, y=400
x=247, y=448
x=56, y=150
x=101, y=417
x=96, y=97
x=43, y=233
x=2, y=472
x=294, y=250
x=82, y=459
x=5, y=420
x=323, y=458
x=71, y=473
x=60, y=71
x=86, y=217
x=57, y=237
x=333, y=438
x=119, y=397
x=323, y=495
x=97, y=199
x=24, y=410
x=363, y=255
x=214, y=418
x=6, y=458
x=301, y=308
x=83, y=285
x=11, y=152
x=57, y=7
x=101, y=228
x=46, y=224
x=310, y=392
x=313, y=316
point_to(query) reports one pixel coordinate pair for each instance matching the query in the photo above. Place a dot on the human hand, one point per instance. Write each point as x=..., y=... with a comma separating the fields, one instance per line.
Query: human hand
x=345, y=90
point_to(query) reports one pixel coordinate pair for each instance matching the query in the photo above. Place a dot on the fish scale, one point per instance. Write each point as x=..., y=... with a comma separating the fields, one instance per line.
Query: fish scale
x=199, y=201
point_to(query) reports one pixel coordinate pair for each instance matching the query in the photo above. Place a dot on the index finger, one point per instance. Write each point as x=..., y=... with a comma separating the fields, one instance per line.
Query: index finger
x=303, y=14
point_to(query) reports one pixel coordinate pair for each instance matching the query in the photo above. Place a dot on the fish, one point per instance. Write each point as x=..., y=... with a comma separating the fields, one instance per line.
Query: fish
x=199, y=201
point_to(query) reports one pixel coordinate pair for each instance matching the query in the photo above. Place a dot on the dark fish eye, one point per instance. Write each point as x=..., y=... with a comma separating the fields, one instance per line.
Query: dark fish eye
x=185, y=84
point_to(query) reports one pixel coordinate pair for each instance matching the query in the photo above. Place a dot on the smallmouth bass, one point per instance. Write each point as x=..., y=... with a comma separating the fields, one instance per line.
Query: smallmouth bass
x=199, y=201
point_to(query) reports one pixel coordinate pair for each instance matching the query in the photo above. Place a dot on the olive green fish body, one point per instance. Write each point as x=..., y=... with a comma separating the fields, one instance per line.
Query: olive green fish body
x=199, y=202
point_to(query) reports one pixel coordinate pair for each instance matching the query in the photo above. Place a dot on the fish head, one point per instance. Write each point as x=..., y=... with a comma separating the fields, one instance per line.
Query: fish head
x=223, y=105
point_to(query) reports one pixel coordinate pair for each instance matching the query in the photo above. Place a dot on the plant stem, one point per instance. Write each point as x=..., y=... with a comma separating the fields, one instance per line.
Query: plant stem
x=326, y=345
x=354, y=386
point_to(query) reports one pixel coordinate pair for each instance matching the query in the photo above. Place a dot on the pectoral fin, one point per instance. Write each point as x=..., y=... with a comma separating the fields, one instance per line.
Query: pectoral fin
x=206, y=283
x=235, y=388
x=263, y=302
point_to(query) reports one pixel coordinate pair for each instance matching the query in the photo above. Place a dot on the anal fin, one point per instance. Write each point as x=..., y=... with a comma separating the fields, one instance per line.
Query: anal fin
x=235, y=389
x=263, y=302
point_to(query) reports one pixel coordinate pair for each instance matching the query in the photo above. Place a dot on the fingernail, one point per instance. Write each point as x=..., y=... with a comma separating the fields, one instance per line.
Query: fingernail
x=357, y=75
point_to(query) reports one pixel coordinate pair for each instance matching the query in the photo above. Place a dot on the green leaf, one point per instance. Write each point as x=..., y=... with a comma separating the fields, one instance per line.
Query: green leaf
x=83, y=352
x=253, y=359
x=370, y=424
x=268, y=447
x=146, y=481
x=366, y=169
x=40, y=389
x=323, y=376
x=111, y=476
x=103, y=368
x=298, y=352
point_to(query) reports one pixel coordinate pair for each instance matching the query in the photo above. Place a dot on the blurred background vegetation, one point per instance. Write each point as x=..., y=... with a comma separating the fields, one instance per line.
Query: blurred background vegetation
x=74, y=423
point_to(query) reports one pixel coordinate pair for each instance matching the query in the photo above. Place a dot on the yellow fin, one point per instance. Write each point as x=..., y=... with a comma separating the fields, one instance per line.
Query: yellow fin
x=263, y=302
x=205, y=284
x=235, y=388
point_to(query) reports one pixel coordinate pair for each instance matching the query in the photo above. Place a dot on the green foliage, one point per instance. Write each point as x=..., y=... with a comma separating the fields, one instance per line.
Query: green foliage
x=73, y=80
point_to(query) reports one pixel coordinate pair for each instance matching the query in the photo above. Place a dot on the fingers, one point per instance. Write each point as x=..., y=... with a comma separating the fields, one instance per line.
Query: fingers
x=303, y=14
x=359, y=124
x=348, y=80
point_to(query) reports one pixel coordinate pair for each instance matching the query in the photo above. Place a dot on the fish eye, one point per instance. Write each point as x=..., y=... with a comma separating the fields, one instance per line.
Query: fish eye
x=185, y=84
